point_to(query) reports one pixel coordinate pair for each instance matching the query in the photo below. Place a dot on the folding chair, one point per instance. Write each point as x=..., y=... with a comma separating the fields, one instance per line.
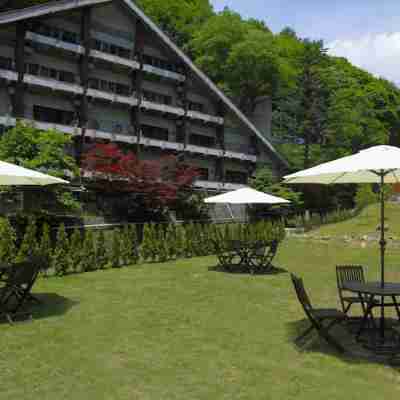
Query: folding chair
x=17, y=288
x=317, y=316
x=225, y=256
x=350, y=273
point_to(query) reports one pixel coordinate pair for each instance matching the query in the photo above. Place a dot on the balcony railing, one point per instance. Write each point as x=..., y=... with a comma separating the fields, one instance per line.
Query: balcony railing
x=205, y=117
x=53, y=84
x=57, y=43
x=76, y=48
x=8, y=75
x=126, y=137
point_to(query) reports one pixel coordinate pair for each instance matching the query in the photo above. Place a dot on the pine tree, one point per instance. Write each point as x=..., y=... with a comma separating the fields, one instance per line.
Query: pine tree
x=134, y=255
x=146, y=245
x=29, y=245
x=75, y=251
x=101, y=250
x=88, y=252
x=116, y=249
x=171, y=242
x=7, y=242
x=60, y=261
x=180, y=241
x=45, y=246
x=162, y=247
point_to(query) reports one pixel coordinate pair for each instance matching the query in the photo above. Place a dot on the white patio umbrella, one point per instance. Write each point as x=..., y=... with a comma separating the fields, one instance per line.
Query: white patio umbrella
x=246, y=196
x=378, y=164
x=13, y=175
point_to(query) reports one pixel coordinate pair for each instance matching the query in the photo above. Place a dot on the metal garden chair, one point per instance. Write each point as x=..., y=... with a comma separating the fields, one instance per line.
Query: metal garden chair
x=317, y=316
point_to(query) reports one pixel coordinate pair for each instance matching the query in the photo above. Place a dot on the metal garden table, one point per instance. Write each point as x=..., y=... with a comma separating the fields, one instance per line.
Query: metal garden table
x=371, y=291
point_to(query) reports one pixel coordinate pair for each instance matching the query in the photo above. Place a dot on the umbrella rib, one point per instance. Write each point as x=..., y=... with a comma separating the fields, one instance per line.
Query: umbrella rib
x=337, y=178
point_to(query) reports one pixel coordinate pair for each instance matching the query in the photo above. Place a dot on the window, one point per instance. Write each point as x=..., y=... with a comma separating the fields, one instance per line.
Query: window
x=53, y=73
x=203, y=174
x=5, y=63
x=157, y=97
x=154, y=132
x=123, y=90
x=32, y=69
x=44, y=71
x=53, y=115
x=93, y=83
x=104, y=85
x=202, y=140
x=194, y=106
x=70, y=37
x=66, y=76
x=236, y=177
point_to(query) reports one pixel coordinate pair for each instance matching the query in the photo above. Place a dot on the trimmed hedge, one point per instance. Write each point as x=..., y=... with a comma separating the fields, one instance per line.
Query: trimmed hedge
x=84, y=251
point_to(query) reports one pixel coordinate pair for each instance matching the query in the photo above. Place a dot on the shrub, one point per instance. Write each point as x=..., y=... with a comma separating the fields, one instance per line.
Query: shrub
x=88, y=261
x=7, y=242
x=101, y=251
x=29, y=245
x=116, y=249
x=60, y=261
x=365, y=196
x=45, y=246
x=75, y=251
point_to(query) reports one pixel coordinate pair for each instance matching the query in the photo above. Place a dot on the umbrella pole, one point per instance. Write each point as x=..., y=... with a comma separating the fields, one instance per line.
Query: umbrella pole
x=382, y=242
x=382, y=246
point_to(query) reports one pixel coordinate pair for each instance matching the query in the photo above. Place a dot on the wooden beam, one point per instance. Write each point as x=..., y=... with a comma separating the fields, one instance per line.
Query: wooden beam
x=220, y=161
x=19, y=55
x=83, y=112
x=137, y=84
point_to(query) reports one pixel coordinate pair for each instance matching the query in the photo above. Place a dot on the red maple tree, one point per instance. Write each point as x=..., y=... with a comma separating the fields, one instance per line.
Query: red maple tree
x=114, y=170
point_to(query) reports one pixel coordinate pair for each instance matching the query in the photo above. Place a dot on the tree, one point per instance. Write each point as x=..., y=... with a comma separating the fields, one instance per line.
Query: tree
x=60, y=261
x=179, y=18
x=29, y=245
x=45, y=151
x=7, y=242
x=45, y=246
x=158, y=182
x=264, y=181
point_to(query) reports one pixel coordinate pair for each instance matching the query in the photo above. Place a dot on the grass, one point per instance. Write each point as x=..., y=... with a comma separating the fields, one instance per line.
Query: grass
x=181, y=330
x=365, y=223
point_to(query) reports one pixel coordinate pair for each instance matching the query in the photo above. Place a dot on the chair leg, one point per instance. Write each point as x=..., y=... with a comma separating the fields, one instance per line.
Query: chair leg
x=304, y=334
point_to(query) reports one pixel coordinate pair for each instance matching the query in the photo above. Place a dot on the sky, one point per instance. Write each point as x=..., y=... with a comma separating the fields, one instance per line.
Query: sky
x=366, y=32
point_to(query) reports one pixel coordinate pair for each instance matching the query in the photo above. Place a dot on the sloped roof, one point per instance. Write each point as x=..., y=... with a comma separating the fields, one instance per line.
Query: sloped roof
x=65, y=5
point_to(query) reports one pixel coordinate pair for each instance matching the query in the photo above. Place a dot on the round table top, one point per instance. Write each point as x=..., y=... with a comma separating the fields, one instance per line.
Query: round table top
x=374, y=288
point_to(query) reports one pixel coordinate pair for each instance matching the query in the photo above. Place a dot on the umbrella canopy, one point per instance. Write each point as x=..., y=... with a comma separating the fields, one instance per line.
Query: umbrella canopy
x=13, y=175
x=378, y=164
x=246, y=196
x=367, y=166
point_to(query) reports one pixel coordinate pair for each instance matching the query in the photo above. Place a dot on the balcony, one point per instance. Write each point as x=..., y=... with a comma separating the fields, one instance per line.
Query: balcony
x=205, y=117
x=241, y=156
x=164, y=73
x=112, y=97
x=163, y=108
x=57, y=43
x=111, y=58
x=53, y=84
x=191, y=148
x=8, y=75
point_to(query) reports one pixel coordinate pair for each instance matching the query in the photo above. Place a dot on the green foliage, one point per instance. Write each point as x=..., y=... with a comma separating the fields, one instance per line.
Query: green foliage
x=365, y=196
x=76, y=255
x=60, y=259
x=29, y=147
x=7, y=242
x=89, y=261
x=101, y=251
x=45, y=246
x=147, y=244
x=29, y=245
x=115, y=252
x=264, y=181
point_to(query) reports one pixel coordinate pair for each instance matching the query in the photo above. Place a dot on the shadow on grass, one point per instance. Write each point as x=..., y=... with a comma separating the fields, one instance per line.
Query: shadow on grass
x=357, y=352
x=47, y=305
x=242, y=269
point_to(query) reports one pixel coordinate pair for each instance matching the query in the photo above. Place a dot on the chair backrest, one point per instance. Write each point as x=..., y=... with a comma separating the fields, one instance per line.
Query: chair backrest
x=349, y=273
x=24, y=274
x=305, y=300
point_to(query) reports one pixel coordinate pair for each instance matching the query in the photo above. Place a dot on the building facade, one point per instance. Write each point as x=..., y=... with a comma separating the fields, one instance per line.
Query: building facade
x=102, y=70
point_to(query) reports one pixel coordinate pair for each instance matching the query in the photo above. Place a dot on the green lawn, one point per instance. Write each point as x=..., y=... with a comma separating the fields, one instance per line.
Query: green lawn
x=365, y=223
x=184, y=331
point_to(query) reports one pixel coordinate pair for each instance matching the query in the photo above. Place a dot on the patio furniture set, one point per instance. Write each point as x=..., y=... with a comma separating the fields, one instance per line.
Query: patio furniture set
x=252, y=257
x=379, y=335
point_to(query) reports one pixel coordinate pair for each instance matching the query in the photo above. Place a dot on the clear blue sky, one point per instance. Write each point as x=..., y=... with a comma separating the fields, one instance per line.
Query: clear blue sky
x=324, y=19
x=367, y=32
